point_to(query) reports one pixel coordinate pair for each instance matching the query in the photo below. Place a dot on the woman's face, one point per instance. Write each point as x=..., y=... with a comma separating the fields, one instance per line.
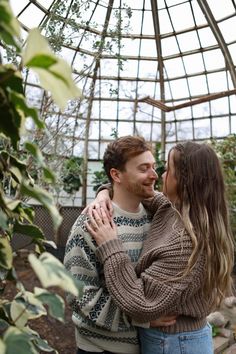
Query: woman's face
x=169, y=179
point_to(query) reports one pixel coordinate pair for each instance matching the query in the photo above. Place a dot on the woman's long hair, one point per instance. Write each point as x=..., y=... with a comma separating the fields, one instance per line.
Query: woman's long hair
x=203, y=208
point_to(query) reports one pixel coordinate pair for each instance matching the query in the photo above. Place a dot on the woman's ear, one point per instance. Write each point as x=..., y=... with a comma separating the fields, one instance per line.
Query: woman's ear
x=115, y=175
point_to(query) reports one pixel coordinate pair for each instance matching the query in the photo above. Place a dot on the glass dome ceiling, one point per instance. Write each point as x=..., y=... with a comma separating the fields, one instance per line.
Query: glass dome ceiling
x=163, y=69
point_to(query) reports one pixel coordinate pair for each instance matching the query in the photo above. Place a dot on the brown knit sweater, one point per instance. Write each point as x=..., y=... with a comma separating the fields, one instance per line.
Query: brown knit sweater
x=155, y=287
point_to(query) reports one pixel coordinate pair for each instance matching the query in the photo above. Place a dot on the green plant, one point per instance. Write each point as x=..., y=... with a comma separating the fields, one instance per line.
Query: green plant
x=114, y=133
x=17, y=185
x=72, y=170
x=215, y=330
x=99, y=178
x=226, y=150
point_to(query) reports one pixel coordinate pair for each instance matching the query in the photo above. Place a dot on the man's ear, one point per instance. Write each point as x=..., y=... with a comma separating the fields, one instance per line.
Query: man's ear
x=115, y=175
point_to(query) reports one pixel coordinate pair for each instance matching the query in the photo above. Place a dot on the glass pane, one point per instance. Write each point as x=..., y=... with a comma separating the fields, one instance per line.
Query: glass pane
x=233, y=125
x=177, y=12
x=125, y=128
x=221, y=11
x=198, y=85
x=170, y=131
x=179, y=88
x=143, y=129
x=220, y=127
x=202, y=128
x=185, y=130
x=106, y=129
x=31, y=21
x=220, y=106
x=193, y=63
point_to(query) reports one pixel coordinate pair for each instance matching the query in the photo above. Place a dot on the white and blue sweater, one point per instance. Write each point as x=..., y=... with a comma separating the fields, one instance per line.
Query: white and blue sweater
x=100, y=324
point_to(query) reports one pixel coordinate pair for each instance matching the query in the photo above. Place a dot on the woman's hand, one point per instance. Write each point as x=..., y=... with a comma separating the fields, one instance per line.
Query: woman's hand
x=164, y=321
x=102, y=200
x=100, y=227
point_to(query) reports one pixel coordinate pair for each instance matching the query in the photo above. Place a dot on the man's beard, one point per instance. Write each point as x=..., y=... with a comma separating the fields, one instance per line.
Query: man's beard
x=139, y=190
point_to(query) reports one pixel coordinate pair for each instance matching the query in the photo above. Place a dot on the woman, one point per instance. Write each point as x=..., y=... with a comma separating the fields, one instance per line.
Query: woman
x=186, y=262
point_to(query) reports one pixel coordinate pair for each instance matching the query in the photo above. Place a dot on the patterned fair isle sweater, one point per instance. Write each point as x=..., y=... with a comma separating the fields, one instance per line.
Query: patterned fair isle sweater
x=154, y=287
x=100, y=324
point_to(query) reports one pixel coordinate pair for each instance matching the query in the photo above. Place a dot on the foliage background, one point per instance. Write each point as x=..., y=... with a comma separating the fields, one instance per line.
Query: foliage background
x=17, y=185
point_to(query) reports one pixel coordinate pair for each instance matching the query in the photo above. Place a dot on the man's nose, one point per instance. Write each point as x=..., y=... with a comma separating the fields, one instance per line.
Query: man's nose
x=154, y=174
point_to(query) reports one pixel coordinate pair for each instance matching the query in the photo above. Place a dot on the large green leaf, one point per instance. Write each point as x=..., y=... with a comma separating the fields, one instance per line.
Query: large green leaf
x=22, y=209
x=25, y=212
x=42, y=61
x=11, y=203
x=35, y=151
x=6, y=256
x=45, y=199
x=11, y=120
x=25, y=307
x=9, y=25
x=13, y=161
x=50, y=243
x=51, y=272
x=5, y=306
x=20, y=104
x=2, y=347
x=11, y=78
x=48, y=175
x=18, y=342
x=40, y=343
x=32, y=231
x=3, y=326
x=16, y=175
x=3, y=220
x=55, y=303
x=13, y=105
x=57, y=77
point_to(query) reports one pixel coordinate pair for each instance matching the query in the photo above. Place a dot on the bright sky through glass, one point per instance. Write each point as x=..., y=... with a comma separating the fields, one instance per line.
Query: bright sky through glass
x=193, y=65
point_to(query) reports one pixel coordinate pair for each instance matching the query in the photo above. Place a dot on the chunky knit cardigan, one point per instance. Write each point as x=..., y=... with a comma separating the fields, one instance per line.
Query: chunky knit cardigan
x=155, y=286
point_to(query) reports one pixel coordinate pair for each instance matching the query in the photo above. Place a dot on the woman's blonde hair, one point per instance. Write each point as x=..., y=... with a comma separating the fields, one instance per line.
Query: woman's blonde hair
x=204, y=211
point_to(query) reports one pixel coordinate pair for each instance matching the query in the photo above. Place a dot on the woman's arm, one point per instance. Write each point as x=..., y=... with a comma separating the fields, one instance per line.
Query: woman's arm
x=144, y=297
x=152, y=293
x=155, y=203
x=102, y=200
x=104, y=196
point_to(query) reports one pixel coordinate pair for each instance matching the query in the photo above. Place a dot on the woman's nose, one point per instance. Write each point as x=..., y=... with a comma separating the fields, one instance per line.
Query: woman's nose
x=163, y=175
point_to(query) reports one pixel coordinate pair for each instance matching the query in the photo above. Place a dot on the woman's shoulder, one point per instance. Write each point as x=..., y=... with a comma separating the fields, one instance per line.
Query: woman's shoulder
x=166, y=212
x=161, y=198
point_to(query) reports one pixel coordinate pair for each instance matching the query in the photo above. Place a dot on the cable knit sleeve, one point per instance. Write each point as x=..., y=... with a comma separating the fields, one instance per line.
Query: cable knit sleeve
x=155, y=203
x=155, y=291
x=151, y=204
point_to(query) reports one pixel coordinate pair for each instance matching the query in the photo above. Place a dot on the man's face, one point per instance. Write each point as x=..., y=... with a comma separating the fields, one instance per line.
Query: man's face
x=139, y=175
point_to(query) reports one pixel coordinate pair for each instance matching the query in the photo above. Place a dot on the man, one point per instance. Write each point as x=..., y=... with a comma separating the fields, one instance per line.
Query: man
x=100, y=325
